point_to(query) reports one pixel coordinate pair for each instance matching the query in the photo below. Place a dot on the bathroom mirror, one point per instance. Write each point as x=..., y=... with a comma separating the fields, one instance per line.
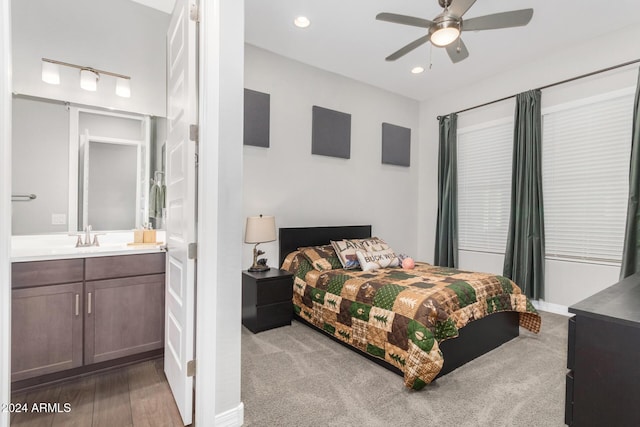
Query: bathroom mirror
x=86, y=166
x=113, y=169
x=49, y=158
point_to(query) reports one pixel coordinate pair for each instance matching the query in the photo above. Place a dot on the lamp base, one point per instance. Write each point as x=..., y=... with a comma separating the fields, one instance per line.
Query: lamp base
x=258, y=268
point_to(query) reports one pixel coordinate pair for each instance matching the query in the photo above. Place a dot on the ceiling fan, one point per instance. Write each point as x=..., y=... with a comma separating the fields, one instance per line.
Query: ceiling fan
x=445, y=29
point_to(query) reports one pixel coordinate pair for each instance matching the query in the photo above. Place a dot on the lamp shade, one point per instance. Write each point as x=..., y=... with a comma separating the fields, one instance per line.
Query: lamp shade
x=260, y=229
x=50, y=73
x=88, y=80
x=123, y=88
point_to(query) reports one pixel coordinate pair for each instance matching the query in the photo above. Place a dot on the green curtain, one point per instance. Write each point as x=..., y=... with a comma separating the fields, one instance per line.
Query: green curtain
x=524, y=257
x=446, y=251
x=631, y=249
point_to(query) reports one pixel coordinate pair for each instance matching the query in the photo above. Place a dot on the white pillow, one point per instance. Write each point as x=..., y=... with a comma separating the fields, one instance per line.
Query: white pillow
x=346, y=249
x=377, y=259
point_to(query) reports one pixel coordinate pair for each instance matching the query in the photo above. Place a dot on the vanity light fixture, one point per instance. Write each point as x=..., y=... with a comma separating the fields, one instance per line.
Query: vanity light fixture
x=50, y=73
x=301, y=22
x=89, y=76
x=123, y=88
x=89, y=79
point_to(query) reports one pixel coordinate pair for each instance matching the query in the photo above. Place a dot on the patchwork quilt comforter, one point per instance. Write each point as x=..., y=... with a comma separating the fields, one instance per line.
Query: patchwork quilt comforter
x=401, y=315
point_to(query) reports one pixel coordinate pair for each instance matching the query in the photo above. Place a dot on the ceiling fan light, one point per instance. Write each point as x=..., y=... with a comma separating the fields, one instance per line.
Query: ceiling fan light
x=445, y=36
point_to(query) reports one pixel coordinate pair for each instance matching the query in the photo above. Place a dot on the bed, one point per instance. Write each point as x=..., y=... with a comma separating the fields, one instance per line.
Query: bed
x=418, y=346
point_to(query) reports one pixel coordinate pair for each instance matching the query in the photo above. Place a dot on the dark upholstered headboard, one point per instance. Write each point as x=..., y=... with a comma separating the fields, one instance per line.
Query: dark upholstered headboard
x=293, y=238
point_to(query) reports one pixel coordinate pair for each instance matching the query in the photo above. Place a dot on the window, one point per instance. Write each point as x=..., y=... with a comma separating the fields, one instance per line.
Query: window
x=484, y=186
x=585, y=162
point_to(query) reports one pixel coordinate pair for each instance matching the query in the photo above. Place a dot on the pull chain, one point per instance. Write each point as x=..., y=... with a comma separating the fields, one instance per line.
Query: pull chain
x=430, y=55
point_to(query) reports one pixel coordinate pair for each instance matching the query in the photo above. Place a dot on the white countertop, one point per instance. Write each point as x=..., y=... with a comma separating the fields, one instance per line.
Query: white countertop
x=62, y=246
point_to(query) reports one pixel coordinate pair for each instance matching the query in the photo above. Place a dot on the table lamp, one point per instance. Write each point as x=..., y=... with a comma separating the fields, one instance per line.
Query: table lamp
x=259, y=229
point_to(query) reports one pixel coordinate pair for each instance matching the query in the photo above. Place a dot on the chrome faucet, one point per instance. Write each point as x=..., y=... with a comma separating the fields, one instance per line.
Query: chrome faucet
x=87, y=235
x=87, y=239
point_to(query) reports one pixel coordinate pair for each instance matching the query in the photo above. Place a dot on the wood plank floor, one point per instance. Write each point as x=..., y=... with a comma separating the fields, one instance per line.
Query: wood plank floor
x=132, y=396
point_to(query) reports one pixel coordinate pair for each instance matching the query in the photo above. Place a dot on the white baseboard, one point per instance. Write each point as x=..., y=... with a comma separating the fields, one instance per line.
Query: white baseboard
x=231, y=418
x=551, y=307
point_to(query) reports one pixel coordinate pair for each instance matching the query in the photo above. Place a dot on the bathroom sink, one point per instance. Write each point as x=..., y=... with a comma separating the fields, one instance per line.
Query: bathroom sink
x=46, y=247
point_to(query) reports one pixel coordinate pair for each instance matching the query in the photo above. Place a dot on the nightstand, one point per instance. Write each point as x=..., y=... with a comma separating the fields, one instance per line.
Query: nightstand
x=266, y=299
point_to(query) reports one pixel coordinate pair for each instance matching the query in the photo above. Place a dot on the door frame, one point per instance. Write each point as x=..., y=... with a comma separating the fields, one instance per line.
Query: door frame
x=5, y=208
x=219, y=294
x=218, y=319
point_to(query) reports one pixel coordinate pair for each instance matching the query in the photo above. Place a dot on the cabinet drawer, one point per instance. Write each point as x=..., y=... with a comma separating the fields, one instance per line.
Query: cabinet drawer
x=39, y=273
x=274, y=291
x=112, y=267
x=571, y=343
x=273, y=315
x=568, y=402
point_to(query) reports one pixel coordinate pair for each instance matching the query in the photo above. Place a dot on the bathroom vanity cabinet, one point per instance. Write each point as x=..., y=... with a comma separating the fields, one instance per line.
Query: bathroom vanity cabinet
x=47, y=317
x=125, y=306
x=74, y=315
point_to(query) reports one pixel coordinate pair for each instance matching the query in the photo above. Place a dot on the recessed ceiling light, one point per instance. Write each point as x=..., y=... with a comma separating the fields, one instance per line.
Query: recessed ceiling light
x=302, y=22
x=417, y=70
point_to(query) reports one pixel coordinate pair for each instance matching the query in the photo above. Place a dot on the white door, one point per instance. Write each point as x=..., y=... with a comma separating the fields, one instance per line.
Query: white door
x=181, y=205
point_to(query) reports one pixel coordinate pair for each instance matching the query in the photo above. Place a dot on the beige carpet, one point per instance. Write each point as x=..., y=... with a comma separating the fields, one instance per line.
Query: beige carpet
x=295, y=376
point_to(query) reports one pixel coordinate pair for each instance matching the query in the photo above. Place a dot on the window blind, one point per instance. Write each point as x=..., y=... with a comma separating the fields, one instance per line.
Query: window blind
x=585, y=162
x=484, y=186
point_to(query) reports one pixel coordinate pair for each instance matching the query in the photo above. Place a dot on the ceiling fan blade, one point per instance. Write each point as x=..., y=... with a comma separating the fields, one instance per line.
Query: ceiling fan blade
x=514, y=18
x=459, y=7
x=408, y=48
x=457, y=51
x=404, y=20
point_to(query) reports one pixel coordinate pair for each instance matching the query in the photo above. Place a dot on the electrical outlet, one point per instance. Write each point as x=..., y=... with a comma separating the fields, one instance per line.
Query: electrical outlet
x=58, y=219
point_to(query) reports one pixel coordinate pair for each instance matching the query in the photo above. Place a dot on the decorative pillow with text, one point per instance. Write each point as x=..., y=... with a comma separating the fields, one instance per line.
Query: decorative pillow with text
x=377, y=259
x=346, y=249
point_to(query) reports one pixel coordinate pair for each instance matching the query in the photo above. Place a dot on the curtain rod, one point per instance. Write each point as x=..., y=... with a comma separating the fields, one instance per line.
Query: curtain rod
x=593, y=73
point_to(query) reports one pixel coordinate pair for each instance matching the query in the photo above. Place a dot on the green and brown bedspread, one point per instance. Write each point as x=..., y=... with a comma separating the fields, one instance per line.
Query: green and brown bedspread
x=401, y=315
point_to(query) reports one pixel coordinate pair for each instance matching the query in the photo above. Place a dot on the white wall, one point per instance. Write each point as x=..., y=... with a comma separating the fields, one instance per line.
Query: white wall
x=566, y=282
x=117, y=35
x=302, y=189
x=219, y=290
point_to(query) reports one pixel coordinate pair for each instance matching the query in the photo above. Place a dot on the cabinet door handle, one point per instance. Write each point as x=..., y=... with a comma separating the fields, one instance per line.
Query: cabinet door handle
x=77, y=304
x=89, y=304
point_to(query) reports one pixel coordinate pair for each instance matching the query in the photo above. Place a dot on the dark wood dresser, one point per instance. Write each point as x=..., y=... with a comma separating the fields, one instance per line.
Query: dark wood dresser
x=267, y=299
x=603, y=385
